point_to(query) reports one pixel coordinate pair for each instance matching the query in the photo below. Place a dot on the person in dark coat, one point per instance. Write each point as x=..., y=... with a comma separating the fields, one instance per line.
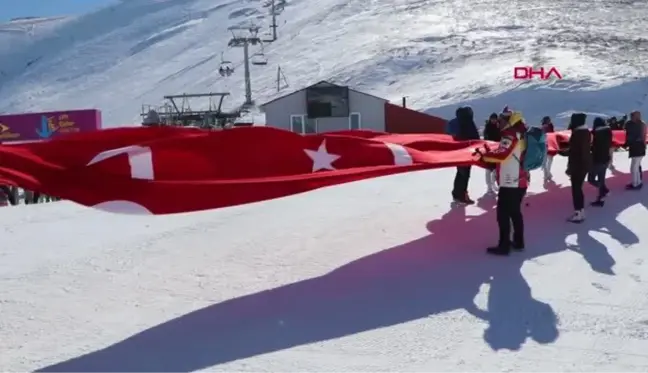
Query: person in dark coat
x=547, y=125
x=622, y=122
x=452, y=127
x=466, y=130
x=4, y=195
x=492, y=132
x=635, y=130
x=601, y=145
x=579, y=163
x=8, y=194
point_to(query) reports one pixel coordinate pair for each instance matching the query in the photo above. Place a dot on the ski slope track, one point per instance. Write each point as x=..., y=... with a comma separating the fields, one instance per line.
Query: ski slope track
x=437, y=53
x=378, y=275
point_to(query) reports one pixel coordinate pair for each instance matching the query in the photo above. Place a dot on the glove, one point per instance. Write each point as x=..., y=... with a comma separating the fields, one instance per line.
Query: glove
x=480, y=150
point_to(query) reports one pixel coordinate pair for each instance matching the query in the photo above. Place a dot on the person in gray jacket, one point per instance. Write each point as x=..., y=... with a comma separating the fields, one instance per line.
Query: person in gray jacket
x=635, y=130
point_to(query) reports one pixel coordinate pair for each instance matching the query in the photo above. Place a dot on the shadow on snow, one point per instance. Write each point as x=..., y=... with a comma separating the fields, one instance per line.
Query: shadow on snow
x=437, y=273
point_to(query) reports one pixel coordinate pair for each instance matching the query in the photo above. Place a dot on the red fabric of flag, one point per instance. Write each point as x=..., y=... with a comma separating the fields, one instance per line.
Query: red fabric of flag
x=172, y=170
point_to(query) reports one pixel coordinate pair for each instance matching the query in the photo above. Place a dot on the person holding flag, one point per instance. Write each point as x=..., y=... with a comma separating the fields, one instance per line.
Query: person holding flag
x=513, y=181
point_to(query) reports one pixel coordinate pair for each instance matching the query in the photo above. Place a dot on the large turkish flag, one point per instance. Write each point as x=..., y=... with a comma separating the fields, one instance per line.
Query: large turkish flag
x=167, y=170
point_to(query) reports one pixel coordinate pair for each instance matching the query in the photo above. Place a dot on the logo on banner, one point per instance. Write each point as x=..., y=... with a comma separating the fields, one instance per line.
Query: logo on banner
x=6, y=133
x=51, y=125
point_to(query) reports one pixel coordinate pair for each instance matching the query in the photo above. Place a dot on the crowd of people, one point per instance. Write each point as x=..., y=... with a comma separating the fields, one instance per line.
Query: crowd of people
x=10, y=195
x=589, y=153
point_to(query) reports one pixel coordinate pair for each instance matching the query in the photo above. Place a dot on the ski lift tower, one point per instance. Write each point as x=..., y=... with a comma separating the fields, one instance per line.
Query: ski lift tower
x=273, y=13
x=250, y=37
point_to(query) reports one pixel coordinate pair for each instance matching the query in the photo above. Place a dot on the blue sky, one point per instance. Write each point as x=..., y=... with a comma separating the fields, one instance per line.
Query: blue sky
x=46, y=8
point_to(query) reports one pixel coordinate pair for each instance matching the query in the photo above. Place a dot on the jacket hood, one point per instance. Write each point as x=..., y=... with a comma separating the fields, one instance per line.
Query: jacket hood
x=464, y=114
x=577, y=120
x=599, y=122
x=514, y=119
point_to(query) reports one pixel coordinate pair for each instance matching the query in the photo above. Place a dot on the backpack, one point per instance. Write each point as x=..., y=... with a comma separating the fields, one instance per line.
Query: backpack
x=452, y=128
x=536, y=148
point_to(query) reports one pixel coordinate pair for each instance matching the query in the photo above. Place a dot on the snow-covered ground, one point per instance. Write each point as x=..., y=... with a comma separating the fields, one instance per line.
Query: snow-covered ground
x=380, y=275
x=437, y=53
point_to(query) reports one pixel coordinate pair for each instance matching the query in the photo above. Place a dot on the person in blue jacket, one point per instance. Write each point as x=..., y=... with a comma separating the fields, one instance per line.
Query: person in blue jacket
x=465, y=130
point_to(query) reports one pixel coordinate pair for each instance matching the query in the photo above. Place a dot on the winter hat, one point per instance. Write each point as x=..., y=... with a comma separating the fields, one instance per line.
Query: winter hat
x=463, y=113
x=516, y=117
x=493, y=116
x=546, y=120
x=599, y=122
x=506, y=112
x=577, y=120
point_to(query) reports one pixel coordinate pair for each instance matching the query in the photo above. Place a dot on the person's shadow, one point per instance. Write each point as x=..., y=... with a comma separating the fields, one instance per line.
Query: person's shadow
x=438, y=273
x=513, y=315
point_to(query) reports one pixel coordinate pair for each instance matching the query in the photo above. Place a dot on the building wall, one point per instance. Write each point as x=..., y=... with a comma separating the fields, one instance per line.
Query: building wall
x=371, y=109
x=404, y=120
x=278, y=112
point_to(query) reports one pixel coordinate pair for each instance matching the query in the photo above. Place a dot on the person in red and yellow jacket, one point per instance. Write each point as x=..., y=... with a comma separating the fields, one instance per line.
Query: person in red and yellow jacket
x=513, y=181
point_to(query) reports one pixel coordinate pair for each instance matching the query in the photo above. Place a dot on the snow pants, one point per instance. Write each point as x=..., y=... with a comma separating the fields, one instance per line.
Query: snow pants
x=509, y=212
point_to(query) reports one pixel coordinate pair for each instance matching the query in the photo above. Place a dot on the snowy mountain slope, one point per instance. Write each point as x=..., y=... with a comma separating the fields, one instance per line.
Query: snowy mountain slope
x=371, y=276
x=616, y=100
x=438, y=53
x=20, y=34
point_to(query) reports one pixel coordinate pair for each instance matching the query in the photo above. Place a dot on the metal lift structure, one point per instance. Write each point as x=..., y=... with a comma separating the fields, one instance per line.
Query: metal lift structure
x=177, y=111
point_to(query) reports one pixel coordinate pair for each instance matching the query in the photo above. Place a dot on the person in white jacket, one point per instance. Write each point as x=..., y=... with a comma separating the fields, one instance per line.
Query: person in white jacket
x=547, y=127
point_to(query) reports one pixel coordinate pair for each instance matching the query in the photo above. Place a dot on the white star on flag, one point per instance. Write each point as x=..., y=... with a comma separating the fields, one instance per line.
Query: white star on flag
x=322, y=159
